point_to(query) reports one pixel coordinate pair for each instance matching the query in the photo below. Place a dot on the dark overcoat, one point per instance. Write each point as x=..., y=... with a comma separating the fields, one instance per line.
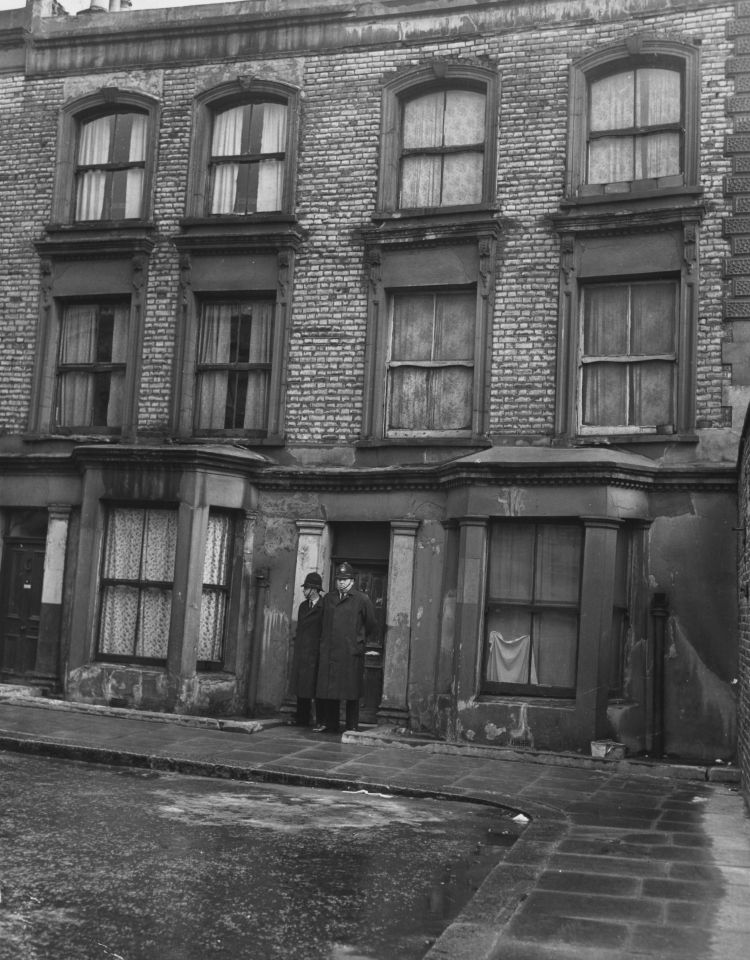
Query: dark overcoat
x=347, y=625
x=306, y=649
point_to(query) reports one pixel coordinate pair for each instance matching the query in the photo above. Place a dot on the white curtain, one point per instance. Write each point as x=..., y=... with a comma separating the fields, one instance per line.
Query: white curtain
x=646, y=97
x=271, y=172
x=226, y=142
x=511, y=661
x=213, y=348
x=97, y=140
x=260, y=352
x=77, y=346
x=93, y=149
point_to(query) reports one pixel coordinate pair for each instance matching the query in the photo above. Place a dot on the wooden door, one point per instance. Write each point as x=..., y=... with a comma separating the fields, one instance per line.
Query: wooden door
x=20, y=607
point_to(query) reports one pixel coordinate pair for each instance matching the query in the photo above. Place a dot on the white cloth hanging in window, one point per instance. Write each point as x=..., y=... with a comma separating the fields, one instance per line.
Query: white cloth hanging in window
x=511, y=661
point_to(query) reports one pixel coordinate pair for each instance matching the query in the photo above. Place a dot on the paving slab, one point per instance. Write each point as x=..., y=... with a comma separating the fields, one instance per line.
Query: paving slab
x=617, y=860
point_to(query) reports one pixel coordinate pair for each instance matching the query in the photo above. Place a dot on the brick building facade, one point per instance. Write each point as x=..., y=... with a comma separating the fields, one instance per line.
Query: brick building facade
x=434, y=288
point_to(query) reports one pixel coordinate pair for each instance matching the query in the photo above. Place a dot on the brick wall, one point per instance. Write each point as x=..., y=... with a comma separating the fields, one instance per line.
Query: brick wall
x=337, y=176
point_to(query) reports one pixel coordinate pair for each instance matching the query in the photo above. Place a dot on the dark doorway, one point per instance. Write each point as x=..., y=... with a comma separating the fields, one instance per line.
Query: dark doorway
x=366, y=546
x=20, y=607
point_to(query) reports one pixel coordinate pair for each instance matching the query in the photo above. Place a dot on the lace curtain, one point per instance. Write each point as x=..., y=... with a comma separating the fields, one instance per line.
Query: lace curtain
x=253, y=184
x=115, y=138
x=236, y=339
x=92, y=334
x=635, y=99
x=215, y=584
x=432, y=123
x=140, y=547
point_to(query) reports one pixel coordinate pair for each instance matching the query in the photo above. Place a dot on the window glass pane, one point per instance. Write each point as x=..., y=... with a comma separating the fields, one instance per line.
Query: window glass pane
x=227, y=132
x=408, y=406
x=454, y=326
x=95, y=139
x=555, y=647
x=462, y=178
x=117, y=634
x=653, y=394
x=153, y=623
x=211, y=636
x=510, y=654
x=215, y=561
x=423, y=121
x=91, y=190
x=421, y=179
x=605, y=321
x=122, y=559
x=211, y=400
x=658, y=97
x=413, y=321
x=611, y=160
x=270, y=185
x=160, y=543
x=605, y=399
x=511, y=566
x=464, y=117
x=653, y=320
x=273, y=137
x=116, y=139
x=450, y=398
x=657, y=155
x=557, y=564
x=224, y=187
x=611, y=102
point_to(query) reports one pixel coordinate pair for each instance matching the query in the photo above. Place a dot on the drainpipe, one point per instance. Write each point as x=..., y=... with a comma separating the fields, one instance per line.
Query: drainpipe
x=659, y=612
x=261, y=588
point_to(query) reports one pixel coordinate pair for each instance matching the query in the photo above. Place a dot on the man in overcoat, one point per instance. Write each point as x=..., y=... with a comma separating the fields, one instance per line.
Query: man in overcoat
x=307, y=648
x=348, y=622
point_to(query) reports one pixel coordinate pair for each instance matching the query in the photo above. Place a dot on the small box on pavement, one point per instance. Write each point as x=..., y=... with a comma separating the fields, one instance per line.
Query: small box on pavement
x=607, y=750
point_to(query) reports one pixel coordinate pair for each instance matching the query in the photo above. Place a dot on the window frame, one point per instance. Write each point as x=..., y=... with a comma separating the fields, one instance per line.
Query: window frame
x=637, y=51
x=225, y=96
x=225, y=589
x=233, y=298
x=629, y=360
x=104, y=102
x=408, y=85
x=142, y=583
x=534, y=606
x=390, y=364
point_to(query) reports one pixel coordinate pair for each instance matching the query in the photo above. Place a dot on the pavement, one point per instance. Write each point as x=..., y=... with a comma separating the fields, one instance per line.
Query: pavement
x=619, y=859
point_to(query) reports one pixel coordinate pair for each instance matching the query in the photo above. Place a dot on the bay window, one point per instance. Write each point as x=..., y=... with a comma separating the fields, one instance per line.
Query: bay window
x=136, y=583
x=532, y=618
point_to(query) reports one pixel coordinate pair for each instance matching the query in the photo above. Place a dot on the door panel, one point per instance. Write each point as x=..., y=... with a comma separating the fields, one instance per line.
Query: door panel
x=373, y=580
x=20, y=606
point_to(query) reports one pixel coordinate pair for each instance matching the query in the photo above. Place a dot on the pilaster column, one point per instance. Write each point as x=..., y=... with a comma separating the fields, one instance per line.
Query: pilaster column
x=595, y=629
x=50, y=618
x=472, y=576
x=313, y=556
x=394, y=708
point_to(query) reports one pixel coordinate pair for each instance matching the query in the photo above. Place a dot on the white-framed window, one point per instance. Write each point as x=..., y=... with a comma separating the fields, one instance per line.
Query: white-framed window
x=91, y=366
x=628, y=356
x=430, y=369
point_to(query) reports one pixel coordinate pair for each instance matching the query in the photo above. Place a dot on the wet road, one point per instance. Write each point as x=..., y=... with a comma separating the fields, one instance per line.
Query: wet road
x=102, y=863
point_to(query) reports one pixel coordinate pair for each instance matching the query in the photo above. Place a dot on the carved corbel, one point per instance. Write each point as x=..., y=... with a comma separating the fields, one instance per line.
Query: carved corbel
x=46, y=274
x=567, y=257
x=374, y=266
x=186, y=278
x=138, y=278
x=690, y=246
x=284, y=265
x=486, y=258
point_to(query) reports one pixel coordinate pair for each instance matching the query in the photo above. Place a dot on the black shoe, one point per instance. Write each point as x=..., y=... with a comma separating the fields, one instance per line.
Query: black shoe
x=320, y=728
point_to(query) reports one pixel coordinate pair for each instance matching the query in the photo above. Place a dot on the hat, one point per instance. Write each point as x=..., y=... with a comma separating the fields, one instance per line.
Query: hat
x=313, y=580
x=344, y=571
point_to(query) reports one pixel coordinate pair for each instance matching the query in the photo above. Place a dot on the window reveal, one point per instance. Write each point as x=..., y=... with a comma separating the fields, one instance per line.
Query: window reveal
x=248, y=155
x=235, y=349
x=533, y=606
x=137, y=582
x=91, y=365
x=442, y=149
x=431, y=367
x=215, y=593
x=110, y=167
x=628, y=355
x=635, y=127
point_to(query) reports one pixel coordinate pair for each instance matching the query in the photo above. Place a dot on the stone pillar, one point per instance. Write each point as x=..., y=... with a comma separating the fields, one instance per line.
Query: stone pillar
x=50, y=619
x=394, y=708
x=595, y=629
x=313, y=556
x=192, y=528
